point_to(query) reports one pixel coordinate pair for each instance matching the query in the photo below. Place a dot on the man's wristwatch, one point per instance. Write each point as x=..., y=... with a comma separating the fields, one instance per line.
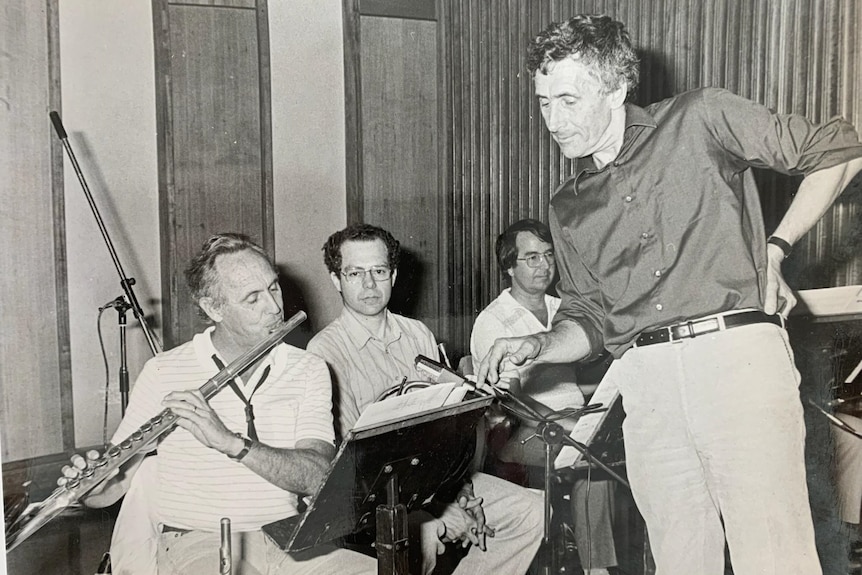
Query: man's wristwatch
x=246, y=446
x=782, y=244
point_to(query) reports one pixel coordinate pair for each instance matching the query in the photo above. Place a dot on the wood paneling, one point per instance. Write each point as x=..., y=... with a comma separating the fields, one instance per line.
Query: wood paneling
x=215, y=145
x=409, y=9
x=500, y=164
x=392, y=118
x=34, y=345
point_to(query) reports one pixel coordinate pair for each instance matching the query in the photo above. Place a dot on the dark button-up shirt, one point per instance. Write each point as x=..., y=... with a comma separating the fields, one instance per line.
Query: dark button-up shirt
x=671, y=230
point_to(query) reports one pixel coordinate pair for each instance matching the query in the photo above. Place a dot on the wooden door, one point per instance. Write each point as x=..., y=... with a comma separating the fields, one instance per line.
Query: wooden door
x=215, y=144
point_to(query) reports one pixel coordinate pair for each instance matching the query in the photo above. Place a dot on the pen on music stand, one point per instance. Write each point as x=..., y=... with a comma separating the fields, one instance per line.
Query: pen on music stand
x=445, y=357
x=854, y=373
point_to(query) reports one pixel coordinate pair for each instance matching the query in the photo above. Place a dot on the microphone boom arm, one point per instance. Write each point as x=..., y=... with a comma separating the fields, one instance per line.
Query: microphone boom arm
x=125, y=282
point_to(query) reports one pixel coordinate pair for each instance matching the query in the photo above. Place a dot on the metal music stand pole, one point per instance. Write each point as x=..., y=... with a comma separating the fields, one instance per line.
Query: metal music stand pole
x=552, y=433
x=125, y=282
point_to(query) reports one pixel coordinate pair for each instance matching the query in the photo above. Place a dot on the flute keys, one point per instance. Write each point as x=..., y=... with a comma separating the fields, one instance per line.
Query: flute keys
x=113, y=451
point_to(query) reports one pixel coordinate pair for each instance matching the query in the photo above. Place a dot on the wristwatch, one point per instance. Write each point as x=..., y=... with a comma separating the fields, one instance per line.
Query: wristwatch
x=782, y=244
x=246, y=446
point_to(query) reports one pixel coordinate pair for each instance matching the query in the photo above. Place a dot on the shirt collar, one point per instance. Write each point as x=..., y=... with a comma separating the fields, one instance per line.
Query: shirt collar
x=360, y=335
x=635, y=117
x=204, y=350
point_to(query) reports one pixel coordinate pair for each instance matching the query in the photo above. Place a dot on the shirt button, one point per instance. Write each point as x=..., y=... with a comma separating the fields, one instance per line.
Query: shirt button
x=658, y=273
x=628, y=199
x=659, y=307
x=645, y=235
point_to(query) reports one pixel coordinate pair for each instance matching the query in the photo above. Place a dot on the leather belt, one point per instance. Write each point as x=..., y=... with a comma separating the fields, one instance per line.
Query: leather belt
x=694, y=328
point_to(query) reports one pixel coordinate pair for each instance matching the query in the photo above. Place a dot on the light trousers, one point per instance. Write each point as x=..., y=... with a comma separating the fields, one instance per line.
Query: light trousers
x=848, y=469
x=517, y=516
x=714, y=441
x=197, y=553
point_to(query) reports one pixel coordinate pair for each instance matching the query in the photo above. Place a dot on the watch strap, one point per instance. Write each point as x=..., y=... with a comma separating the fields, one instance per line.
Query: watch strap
x=246, y=446
x=782, y=244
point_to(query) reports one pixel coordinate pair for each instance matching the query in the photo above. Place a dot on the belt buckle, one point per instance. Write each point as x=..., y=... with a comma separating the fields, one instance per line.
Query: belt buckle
x=685, y=331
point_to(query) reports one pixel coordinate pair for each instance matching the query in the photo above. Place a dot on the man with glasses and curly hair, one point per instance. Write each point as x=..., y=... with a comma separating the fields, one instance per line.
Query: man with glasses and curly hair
x=369, y=349
x=525, y=256
x=664, y=261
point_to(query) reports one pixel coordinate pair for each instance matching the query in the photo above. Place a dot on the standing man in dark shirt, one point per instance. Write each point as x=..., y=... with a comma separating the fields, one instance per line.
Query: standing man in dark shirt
x=659, y=238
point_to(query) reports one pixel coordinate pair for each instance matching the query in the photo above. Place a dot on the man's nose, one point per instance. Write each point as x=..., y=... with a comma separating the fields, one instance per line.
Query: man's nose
x=553, y=118
x=368, y=279
x=274, y=302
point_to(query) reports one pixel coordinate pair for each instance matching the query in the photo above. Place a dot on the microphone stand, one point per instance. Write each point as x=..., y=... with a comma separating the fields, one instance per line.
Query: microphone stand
x=127, y=283
x=552, y=434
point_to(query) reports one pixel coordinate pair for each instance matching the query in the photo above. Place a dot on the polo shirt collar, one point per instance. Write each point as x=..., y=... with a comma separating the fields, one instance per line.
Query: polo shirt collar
x=360, y=335
x=204, y=350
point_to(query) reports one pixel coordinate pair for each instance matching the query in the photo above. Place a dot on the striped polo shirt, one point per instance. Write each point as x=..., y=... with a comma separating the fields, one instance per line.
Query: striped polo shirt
x=197, y=486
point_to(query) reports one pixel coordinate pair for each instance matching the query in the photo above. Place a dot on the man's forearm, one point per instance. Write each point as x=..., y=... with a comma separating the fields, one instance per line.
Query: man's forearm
x=295, y=470
x=816, y=193
x=565, y=343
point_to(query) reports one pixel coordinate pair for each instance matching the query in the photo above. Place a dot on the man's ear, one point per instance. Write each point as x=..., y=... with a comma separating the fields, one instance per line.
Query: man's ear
x=617, y=97
x=211, y=308
x=394, y=275
x=511, y=272
x=336, y=280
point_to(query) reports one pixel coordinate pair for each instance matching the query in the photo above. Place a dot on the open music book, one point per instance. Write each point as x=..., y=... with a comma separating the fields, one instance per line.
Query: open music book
x=417, y=401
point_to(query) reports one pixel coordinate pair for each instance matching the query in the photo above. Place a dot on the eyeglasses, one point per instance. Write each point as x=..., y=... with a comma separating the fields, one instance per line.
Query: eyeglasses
x=535, y=260
x=357, y=275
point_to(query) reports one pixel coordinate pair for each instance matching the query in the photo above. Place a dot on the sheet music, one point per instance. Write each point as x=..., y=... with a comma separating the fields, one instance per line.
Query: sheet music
x=586, y=427
x=399, y=406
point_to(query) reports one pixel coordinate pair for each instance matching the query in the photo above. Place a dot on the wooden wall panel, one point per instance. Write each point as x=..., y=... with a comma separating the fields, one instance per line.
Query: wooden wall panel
x=399, y=151
x=501, y=165
x=215, y=144
x=36, y=412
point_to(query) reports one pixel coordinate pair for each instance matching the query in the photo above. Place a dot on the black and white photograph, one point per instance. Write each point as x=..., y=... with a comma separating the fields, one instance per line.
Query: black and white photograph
x=431, y=287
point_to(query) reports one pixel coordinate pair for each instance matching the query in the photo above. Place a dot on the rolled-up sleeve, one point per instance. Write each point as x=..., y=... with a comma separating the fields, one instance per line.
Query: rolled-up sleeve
x=578, y=290
x=787, y=143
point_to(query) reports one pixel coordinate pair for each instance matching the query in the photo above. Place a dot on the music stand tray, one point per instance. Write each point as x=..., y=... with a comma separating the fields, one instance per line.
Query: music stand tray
x=403, y=462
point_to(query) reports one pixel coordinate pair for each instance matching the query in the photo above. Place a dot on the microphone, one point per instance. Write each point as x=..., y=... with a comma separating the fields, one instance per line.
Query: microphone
x=58, y=125
x=119, y=301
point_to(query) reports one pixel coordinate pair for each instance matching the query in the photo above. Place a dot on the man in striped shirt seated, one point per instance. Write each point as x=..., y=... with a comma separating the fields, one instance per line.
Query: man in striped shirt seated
x=369, y=349
x=249, y=451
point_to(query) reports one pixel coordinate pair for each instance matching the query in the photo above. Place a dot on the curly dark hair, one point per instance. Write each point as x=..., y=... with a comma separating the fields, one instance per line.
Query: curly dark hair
x=201, y=276
x=507, y=248
x=597, y=40
x=359, y=233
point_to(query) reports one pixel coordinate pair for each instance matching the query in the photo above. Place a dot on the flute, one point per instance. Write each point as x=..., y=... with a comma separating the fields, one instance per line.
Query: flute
x=98, y=470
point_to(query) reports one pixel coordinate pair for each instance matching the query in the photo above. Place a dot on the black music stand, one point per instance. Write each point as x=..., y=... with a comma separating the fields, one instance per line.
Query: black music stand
x=382, y=472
